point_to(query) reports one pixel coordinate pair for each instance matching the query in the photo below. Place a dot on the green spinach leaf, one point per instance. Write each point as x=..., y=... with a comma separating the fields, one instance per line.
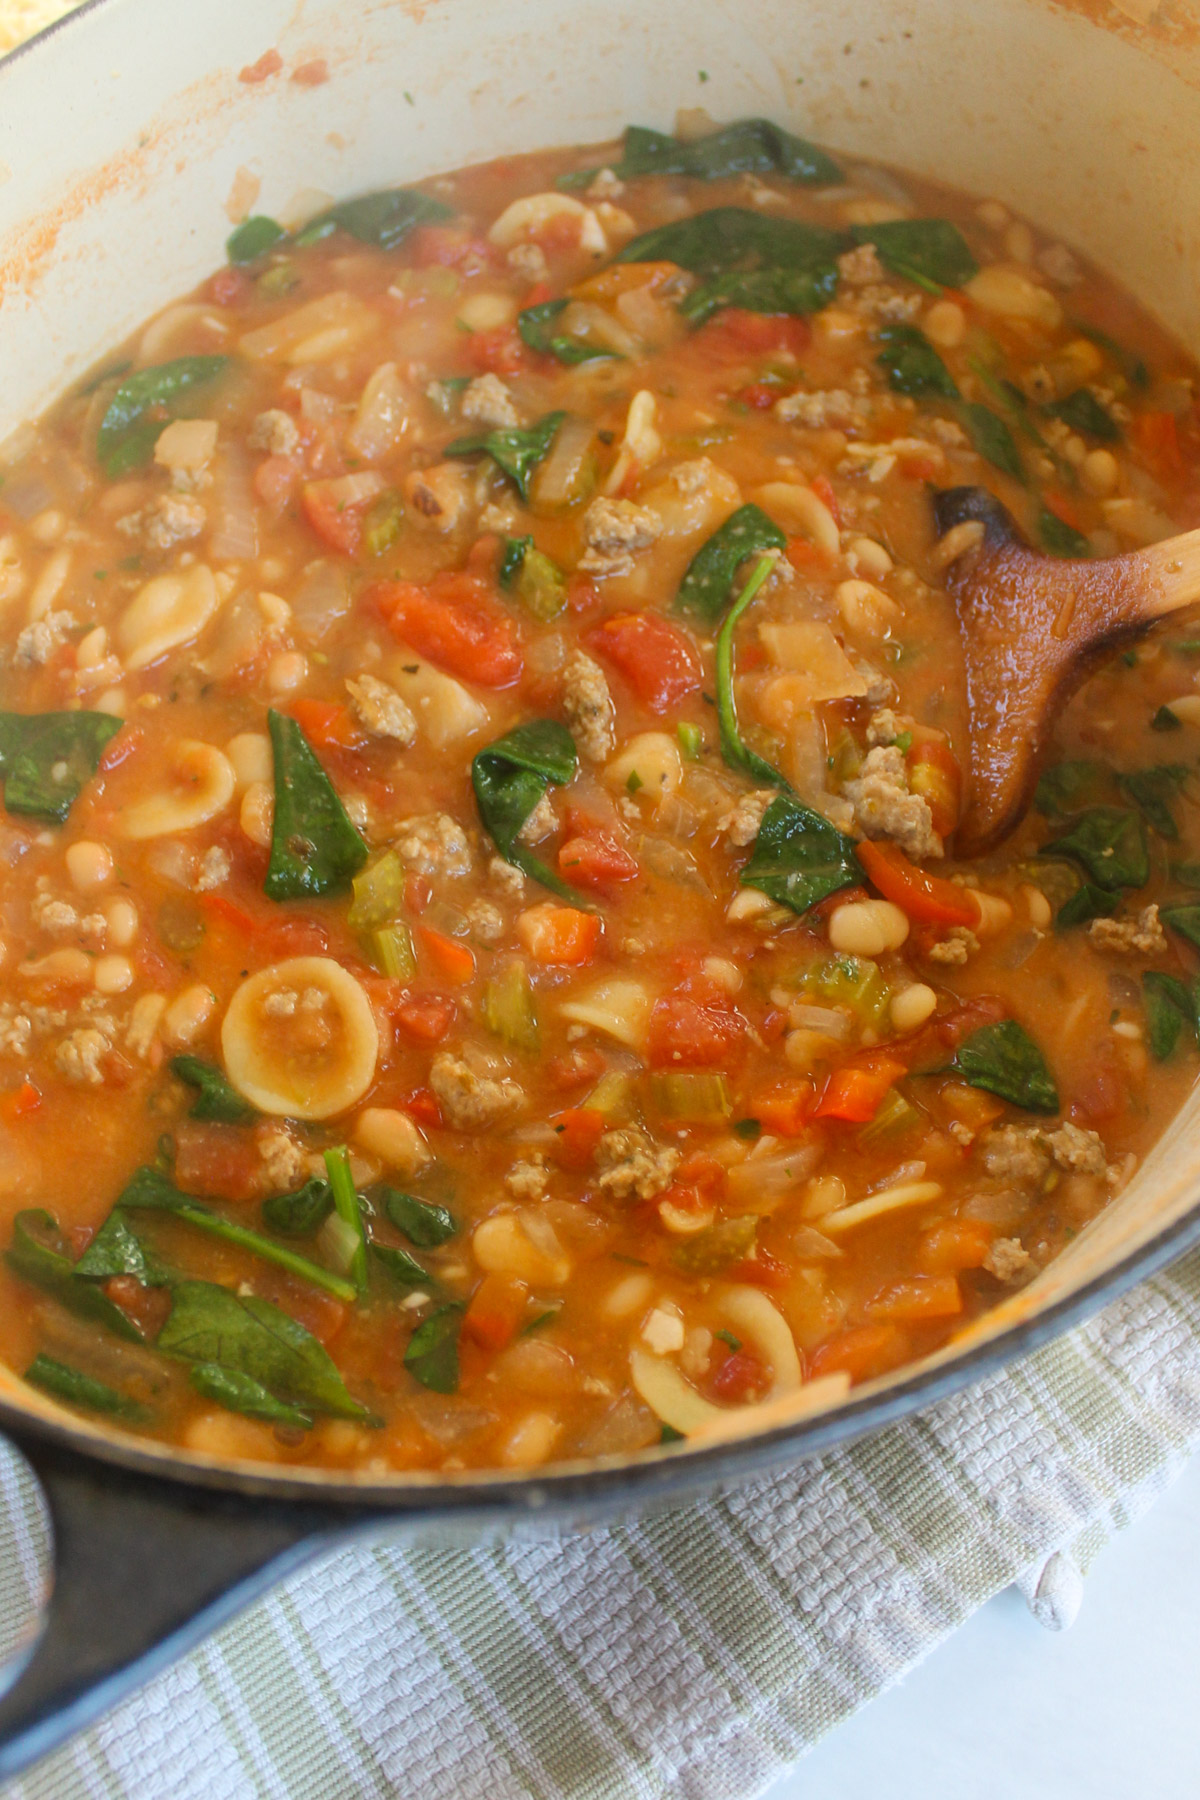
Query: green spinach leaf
x=45, y=758
x=314, y=847
x=117, y=1250
x=1169, y=1007
x=912, y=364
x=150, y=1191
x=401, y=1266
x=991, y=438
x=1083, y=412
x=1109, y=844
x=78, y=1389
x=1187, y=873
x=1059, y=538
x=799, y=857
x=382, y=220
x=1185, y=920
x=734, y=750
x=36, y=1255
x=143, y=406
x=1086, y=903
x=1131, y=366
x=516, y=449
x=512, y=557
x=707, y=585
x=1152, y=791
x=241, y=1393
x=216, y=1098
x=509, y=778
x=1165, y=720
x=299, y=1214
x=252, y=239
x=536, y=326
x=745, y=259
x=209, y=1324
x=931, y=252
x=1068, y=787
x=1004, y=1060
x=432, y=1354
x=421, y=1222
x=747, y=147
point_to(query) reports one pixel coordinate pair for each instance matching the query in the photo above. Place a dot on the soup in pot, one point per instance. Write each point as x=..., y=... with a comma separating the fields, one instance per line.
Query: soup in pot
x=486, y=976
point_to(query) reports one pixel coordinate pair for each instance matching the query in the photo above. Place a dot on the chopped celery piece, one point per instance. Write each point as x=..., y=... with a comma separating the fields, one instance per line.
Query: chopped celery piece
x=378, y=893
x=390, y=949
x=852, y=981
x=451, y=921
x=844, y=760
x=711, y=1251
x=612, y=1095
x=691, y=741
x=690, y=1094
x=381, y=527
x=508, y=1007
x=540, y=586
x=895, y=1114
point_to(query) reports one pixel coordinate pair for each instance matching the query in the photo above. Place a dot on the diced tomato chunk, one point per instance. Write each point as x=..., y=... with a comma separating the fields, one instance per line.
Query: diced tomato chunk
x=741, y=1377
x=456, y=623
x=934, y=774
x=229, y=287
x=658, y=660
x=955, y=1244
x=426, y=1018
x=761, y=1270
x=930, y=899
x=759, y=396
x=217, y=1159
x=26, y=1099
x=146, y=1307
x=575, y=1067
x=576, y=1134
x=223, y=911
x=823, y=488
x=331, y=516
x=327, y=724
x=691, y=1033
x=498, y=352
x=119, y=748
x=449, y=247
x=595, y=860
x=275, y=481
x=753, y=333
x=424, y=1109
x=295, y=937
x=495, y=1311
x=1156, y=436
x=785, y=1111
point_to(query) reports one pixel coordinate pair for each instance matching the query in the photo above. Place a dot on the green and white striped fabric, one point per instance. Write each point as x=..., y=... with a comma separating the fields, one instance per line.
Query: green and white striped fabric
x=694, y=1654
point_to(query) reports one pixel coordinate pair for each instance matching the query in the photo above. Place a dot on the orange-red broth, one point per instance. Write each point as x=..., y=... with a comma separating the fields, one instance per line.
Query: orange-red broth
x=581, y=1277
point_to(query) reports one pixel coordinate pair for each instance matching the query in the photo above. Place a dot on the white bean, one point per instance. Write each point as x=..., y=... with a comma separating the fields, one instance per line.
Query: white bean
x=257, y=814
x=90, y=865
x=867, y=927
x=287, y=671
x=122, y=919
x=187, y=1015
x=911, y=1006
x=946, y=324
x=250, y=756
x=389, y=1134
x=112, y=974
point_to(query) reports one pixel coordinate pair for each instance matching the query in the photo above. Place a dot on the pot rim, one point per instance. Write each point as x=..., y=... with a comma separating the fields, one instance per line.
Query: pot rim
x=668, y=1472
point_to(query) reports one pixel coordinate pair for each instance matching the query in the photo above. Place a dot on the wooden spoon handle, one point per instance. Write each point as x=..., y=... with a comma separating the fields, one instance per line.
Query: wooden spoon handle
x=1166, y=575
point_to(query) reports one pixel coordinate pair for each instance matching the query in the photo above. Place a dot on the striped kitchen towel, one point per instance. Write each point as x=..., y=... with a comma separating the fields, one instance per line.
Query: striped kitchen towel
x=694, y=1654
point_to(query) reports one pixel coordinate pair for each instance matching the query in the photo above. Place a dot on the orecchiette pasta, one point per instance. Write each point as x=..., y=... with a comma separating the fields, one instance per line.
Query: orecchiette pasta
x=300, y=1039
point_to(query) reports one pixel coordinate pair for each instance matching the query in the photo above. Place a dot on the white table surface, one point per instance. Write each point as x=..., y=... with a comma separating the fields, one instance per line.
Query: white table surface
x=1006, y=1710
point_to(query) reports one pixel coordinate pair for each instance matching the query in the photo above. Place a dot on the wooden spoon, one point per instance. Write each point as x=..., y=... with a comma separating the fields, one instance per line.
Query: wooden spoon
x=1032, y=627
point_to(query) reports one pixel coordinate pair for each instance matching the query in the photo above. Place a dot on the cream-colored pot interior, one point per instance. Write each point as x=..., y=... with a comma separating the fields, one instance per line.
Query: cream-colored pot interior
x=122, y=133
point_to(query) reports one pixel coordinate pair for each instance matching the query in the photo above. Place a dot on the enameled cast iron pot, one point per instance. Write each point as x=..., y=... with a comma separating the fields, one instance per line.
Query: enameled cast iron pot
x=121, y=132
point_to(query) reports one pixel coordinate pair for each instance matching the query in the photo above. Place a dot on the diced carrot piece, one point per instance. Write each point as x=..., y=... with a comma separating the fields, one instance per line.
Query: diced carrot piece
x=761, y=1270
x=934, y=773
x=225, y=912
x=854, y=1092
x=969, y=1105
x=453, y=961
x=425, y=1017
x=702, y=1171
x=558, y=934
x=955, y=1244
x=495, y=1311
x=861, y=1351
x=424, y=1108
x=822, y=487
x=594, y=859
x=26, y=1100
x=1156, y=436
x=921, y=1297
x=577, y=1131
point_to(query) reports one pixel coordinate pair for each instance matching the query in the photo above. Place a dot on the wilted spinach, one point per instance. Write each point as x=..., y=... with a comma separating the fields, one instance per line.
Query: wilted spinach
x=1170, y=1005
x=143, y=406
x=382, y=220
x=216, y=1098
x=745, y=259
x=36, y=1255
x=241, y=1393
x=1152, y=791
x=314, y=847
x=1083, y=412
x=1004, y=1060
x=432, y=1353
x=421, y=1221
x=509, y=778
x=252, y=239
x=747, y=147
x=1109, y=844
x=78, y=1389
x=799, y=857
x=707, y=585
x=536, y=326
x=516, y=449
x=736, y=752
x=933, y=253
x=301, y=1212
x=45, y=758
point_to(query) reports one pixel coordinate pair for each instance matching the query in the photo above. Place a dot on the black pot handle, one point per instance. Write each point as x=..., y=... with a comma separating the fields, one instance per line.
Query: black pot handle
x=144, y=1570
